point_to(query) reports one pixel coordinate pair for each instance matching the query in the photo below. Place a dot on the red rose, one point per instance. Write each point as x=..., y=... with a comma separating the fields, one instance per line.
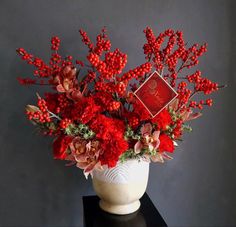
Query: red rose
x=166, y=144
x=60, y=146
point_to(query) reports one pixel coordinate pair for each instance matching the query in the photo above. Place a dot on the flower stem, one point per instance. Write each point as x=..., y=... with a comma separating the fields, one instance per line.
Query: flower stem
x=54, y=115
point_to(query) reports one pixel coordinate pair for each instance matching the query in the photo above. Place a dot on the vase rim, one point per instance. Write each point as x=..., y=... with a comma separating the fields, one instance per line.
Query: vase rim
x=134, y=160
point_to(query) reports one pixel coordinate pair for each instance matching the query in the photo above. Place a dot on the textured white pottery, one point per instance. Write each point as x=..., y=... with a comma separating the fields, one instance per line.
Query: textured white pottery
x=121, y=187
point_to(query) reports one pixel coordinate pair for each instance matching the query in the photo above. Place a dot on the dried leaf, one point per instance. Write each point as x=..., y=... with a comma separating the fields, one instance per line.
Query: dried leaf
x=31, y=108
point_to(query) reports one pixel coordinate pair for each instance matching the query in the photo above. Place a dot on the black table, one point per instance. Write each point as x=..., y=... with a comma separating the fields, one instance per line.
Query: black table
x=146, y=216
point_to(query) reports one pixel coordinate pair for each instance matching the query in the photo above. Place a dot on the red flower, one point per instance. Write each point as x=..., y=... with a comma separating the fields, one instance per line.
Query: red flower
x=163, y=119
x=110, y=133
x=141, y=111
x=85, y=110
x=96, y=94
x=113, y=148
x=166, y=144
x=60, y=146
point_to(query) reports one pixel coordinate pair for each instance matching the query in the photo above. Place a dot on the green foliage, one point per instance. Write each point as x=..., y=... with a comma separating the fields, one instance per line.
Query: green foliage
x=129, y=134
x=129, y=154
x=80, y=130
x=187, y=128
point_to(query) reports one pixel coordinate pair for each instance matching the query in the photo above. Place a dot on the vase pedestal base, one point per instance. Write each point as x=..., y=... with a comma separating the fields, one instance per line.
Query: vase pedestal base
x=146, y=216
x=119, y=209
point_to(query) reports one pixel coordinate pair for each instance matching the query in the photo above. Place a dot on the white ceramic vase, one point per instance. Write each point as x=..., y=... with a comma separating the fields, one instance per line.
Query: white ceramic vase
x=121, y=187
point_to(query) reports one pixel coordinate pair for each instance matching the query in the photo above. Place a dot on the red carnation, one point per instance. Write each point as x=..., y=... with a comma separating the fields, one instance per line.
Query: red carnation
x=85, y=110
x=141, y=111
x=60, y=146
x=113, y=148
x=110, y=133
x=163, y=119
x=166, y=144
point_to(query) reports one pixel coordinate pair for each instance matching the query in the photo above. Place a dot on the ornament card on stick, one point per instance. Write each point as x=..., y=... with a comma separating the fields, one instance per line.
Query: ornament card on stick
x=155, y=94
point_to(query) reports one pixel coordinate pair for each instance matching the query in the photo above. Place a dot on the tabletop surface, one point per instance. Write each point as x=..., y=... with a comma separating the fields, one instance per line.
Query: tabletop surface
x=146, y=216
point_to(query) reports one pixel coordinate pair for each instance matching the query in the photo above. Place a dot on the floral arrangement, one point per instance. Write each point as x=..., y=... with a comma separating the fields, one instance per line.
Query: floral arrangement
x=92, y=111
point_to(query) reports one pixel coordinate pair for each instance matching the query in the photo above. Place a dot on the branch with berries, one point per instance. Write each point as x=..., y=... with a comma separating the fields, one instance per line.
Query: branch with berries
x=90, y=108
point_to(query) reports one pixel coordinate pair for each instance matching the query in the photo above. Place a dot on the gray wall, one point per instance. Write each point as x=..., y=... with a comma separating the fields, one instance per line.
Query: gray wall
x=197, y=188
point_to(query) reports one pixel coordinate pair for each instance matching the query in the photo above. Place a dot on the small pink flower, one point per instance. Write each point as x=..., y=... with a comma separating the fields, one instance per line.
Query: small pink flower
x=149, y=140
x=85, y=154
x=189, y=115
x=160, y=156
x=66, y=80
x=186, y=115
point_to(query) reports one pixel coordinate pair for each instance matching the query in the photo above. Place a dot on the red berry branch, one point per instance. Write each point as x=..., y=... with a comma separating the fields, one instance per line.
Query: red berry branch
x=172, y=59
x=91, y=108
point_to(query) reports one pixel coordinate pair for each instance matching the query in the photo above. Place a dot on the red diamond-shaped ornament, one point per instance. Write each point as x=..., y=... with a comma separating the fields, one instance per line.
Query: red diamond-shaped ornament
x=155, y=94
